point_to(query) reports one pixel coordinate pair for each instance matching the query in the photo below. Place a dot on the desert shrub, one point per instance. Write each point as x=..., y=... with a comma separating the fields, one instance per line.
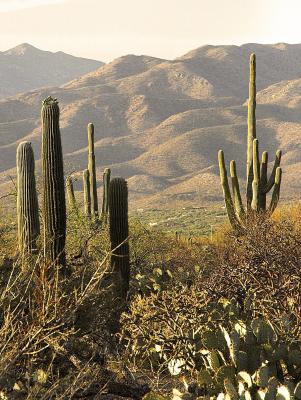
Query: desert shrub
x=86, y=237
x=263, y=263
x=159, y=261
x=42, y=333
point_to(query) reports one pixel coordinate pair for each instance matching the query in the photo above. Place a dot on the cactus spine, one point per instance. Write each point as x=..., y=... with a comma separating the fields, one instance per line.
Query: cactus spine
x=27, y=199
x=92, y=171
x=105, y=199
x=258, y=183
x=70, y=193
x=53, y=183
x=119, y=232
x=87, y=195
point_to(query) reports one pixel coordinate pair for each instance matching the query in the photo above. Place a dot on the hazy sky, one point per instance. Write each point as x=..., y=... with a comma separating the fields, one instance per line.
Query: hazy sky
x=164, y=28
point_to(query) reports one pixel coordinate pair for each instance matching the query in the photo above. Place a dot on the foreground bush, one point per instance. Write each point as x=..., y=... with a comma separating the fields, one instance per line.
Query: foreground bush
x=235, y=330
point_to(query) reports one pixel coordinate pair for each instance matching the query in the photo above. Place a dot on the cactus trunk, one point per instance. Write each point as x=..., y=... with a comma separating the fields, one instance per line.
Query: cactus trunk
x=92, y=171
x=105, y=199
x=119, y=232
x=53, y=183
x=251, y=128
x=27, y=199
x=87, y=195
x=70, y=193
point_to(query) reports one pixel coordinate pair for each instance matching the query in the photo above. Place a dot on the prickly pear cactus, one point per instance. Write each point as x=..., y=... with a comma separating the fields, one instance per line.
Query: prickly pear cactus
x=27, y=199
x=54, y=206
x=247, y=362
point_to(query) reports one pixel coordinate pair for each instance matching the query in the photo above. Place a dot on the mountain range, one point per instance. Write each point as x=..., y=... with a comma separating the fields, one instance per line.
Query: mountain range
x=160, y=123
x=25, y=67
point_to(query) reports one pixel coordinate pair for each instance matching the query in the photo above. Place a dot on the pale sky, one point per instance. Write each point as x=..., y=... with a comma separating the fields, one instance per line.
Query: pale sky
x=108, y=29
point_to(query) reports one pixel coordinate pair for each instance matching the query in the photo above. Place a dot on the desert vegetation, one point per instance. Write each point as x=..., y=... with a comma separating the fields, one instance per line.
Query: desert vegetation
x=96, y=304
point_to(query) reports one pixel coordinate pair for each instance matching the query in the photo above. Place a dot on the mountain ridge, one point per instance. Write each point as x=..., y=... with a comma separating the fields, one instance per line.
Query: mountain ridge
x=159, y=123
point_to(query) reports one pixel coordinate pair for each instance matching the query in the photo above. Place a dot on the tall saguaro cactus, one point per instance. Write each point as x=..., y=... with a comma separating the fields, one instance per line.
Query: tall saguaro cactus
x=92, y=171
x=27, y=199
x=105, y=199
x=53, y=183
x=87, y=195
x=258, y=183
x=251, y=127
x=119, y=232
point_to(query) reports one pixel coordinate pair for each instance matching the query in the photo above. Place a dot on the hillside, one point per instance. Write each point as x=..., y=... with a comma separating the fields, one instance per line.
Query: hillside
x=25, y=67
x=160, y=123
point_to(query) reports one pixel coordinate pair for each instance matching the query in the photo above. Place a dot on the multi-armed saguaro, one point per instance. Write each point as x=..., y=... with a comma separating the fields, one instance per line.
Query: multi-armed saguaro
x=119, y=232
x=27, y=199
x=53, y=183
x=92, y=171
x=258, y=183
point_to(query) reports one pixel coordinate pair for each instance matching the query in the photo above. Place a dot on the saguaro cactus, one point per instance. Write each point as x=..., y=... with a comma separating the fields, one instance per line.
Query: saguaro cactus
x=258, y=183
x=92, y=171
x=27, y=199
x=87, y=195
x=251, y=127
x=70, y=193
x=119, y=232
x=105, y=198
x=53, y=183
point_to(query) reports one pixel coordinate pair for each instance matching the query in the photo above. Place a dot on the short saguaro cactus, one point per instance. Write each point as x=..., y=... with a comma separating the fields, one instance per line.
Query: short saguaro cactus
x=119, y=232
x=27, y=199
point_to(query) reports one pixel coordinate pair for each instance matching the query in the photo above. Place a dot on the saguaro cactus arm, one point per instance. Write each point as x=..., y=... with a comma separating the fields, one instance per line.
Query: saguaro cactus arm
x=263, y=180
x=276, y=190
x=92, y=171
x=53, y=183
x=238, y=206
x=225, y=185
x=272, y=178
x=27, y=199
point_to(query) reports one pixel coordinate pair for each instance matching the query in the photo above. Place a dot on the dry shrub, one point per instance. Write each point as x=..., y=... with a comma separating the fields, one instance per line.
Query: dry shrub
x=179, y=262
x=47, y=350
x=165, y=322
x=263, y=264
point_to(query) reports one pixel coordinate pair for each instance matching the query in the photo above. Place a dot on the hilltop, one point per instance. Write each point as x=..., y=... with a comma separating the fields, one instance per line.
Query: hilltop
x=25, y=67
